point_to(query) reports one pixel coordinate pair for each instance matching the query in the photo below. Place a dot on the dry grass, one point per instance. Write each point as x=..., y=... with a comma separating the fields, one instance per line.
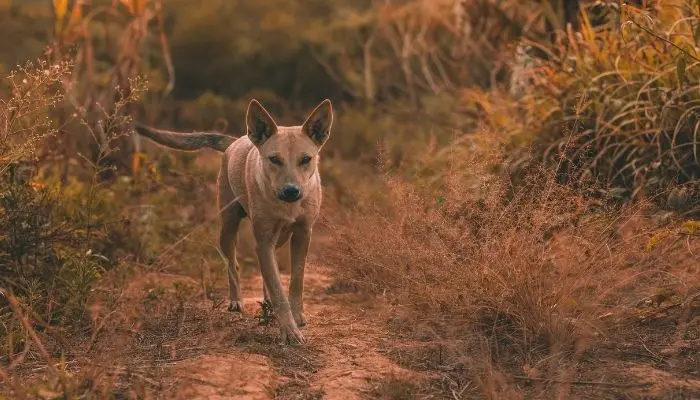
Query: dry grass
x=618, y=99
x=395, y=388
x=512, y=284
x=496, y=289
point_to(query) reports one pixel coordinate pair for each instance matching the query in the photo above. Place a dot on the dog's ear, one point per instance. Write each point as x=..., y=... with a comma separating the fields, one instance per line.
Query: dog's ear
x=259, y=123
x=318, y=125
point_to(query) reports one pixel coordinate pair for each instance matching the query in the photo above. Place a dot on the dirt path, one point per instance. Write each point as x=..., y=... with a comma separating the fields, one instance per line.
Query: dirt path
x=342, y=359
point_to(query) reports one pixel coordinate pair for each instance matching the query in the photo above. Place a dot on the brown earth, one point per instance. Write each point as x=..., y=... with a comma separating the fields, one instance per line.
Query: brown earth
x=341, y=360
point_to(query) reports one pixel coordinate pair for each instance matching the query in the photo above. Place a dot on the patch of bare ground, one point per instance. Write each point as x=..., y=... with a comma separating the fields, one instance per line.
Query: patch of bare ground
x=168, y=341
x=222, y=376
x=344, y=337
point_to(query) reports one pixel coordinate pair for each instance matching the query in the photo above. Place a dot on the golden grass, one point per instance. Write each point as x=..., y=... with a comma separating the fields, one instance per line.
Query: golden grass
x=517, y=284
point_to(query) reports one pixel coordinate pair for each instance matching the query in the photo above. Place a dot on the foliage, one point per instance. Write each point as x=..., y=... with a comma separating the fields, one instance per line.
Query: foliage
x=25, y=122
x=471, y=168
x=613, y=108
x=43, y=254
x=507, y=281
x=112, y=43
x=56, y=240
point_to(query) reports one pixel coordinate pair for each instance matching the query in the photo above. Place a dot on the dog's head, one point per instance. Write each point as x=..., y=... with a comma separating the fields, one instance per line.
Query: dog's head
x=289, y=153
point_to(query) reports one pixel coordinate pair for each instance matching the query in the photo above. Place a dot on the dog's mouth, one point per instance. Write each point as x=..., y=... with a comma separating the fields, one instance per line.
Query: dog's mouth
x=289, y=199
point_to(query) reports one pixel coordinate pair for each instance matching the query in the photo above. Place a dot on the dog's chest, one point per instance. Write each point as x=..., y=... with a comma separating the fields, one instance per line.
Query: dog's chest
x=289, y=214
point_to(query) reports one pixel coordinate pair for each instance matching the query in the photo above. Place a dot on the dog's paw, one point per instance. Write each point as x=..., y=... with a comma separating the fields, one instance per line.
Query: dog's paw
x=299, y=318
x=236, y=306
x=291, y=335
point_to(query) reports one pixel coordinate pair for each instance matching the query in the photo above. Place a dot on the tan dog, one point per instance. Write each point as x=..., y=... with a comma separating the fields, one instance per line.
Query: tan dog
x=270, y=175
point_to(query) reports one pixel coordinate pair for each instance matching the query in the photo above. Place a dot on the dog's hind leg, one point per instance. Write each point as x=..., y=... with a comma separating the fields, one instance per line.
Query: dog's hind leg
x=231, y=220
x=232, y=212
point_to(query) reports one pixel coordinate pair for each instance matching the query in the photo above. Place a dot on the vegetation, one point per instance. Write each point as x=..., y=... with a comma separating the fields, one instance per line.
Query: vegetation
x=537, y=172
x=622, y=109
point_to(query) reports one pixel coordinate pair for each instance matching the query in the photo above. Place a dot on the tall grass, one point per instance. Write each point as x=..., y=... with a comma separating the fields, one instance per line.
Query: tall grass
x=56, y=240
x=70, y=243
x=508, y=280
x=618, y=100
x=500, y=250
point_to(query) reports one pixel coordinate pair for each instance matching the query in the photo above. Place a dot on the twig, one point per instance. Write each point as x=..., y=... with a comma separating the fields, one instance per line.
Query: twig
x=663, y=39
x=185, y=237
x=93, y=337
x=653, y=355
x=16, y=309
x=588, y=383
x=458, y=395
x=166, y=51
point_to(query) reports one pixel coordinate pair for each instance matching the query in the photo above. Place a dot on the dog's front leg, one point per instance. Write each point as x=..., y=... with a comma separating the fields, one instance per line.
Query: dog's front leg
x=301, y=238
x=265, y=249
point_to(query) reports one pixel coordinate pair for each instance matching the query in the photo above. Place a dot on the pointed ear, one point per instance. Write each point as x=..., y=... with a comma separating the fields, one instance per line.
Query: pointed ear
x=318, y=125
x=259, y=123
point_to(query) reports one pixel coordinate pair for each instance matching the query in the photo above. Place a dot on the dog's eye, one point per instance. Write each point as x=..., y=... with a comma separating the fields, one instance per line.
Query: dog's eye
x=305, y=160
x=275, y=160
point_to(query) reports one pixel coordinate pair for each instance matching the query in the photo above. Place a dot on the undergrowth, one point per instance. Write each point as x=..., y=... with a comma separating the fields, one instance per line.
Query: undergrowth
x=70, y=243
x=509, y=282
x=58, y=238
x=613, y=107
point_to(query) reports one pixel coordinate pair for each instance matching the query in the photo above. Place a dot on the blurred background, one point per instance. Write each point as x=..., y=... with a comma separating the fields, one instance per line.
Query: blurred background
x=405, y=76
x=399, y=72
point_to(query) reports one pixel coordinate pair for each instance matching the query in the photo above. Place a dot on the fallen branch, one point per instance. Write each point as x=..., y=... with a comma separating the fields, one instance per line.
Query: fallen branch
x=580, y=383
x=663, y=39
x=16, y=309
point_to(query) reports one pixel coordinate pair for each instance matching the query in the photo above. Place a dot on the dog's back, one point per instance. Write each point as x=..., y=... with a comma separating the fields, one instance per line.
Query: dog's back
x=232, y=180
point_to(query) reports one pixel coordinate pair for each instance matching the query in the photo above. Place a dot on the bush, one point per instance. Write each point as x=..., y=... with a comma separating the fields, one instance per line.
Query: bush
x=44, y=258
x=613, y=105
x=501, y=253
x=503, y=278
x=57, y=240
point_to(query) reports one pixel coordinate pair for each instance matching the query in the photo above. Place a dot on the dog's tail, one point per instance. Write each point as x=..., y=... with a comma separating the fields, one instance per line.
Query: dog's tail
x=186, y=141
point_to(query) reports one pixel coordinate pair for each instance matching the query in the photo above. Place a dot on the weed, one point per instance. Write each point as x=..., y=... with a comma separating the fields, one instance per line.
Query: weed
x=516, y=276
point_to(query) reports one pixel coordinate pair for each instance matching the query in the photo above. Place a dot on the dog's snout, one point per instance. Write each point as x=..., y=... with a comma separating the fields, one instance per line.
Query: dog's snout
x=290, y=192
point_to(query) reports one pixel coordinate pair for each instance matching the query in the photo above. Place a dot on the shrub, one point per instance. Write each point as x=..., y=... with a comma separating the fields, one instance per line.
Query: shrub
x=56, y=240
x=614, y=104
x=502, y=277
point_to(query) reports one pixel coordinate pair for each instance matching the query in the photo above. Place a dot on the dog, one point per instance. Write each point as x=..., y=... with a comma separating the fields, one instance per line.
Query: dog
x=271, y=176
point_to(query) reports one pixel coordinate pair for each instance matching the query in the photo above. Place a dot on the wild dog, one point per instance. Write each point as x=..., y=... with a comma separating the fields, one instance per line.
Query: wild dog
x=271, y=176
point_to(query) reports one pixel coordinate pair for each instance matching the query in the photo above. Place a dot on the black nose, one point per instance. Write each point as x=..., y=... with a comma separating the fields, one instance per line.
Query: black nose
x=290, y=192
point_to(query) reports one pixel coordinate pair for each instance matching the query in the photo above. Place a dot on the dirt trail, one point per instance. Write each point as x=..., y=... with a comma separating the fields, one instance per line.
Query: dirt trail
x=340, y=361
